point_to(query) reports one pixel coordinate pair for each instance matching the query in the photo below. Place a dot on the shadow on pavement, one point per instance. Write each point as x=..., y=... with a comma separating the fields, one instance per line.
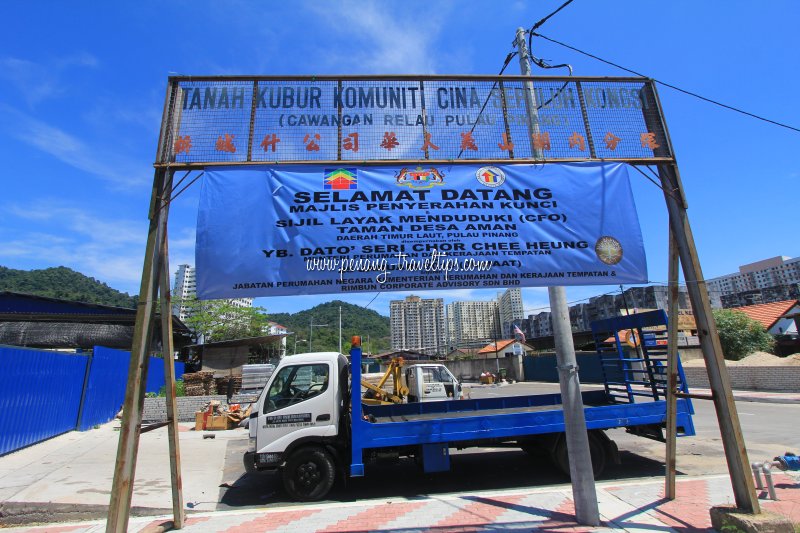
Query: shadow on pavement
x=471, y=470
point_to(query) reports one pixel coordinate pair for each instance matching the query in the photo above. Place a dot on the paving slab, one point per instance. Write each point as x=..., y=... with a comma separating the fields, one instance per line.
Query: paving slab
x=628, y=506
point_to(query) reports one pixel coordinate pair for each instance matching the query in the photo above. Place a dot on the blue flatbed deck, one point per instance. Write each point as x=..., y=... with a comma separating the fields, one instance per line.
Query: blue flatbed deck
x=445, y=424
x=497, y=418
x=516, y=416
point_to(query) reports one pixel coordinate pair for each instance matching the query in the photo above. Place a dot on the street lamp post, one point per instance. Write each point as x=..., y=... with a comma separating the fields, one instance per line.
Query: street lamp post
x=295, y=344
x=311, y=327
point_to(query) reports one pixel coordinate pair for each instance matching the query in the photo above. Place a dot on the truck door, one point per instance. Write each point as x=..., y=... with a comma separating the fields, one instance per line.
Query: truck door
x=413, y=384
x=433, y=384
x=298, y=398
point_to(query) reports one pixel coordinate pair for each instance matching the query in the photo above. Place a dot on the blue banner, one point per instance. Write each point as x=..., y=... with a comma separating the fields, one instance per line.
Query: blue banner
x=279, y=230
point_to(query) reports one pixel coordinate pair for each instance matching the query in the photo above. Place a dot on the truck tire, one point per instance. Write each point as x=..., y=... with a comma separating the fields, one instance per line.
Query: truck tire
x=309, y=474
x=597, y=451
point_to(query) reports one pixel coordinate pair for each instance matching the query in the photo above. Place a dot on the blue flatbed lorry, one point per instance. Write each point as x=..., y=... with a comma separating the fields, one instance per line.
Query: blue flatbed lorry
x=308, y=425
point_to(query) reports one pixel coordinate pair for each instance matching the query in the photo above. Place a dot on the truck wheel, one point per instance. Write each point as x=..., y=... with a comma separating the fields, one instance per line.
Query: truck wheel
x=309, y=474
x=597, y=451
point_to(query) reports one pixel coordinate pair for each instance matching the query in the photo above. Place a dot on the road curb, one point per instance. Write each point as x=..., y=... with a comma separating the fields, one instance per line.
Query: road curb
x=30, y=513
x=765, y=400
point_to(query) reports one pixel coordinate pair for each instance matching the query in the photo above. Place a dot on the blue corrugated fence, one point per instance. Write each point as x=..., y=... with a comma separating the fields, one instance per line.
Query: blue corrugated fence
x=105, y=391
x=155, y=374
x=40, y=391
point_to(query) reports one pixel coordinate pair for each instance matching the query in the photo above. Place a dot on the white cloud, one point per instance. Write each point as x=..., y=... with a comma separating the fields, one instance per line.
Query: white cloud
x=378, y=37
x=38, y=82
x=110, y=250
x=112, y=167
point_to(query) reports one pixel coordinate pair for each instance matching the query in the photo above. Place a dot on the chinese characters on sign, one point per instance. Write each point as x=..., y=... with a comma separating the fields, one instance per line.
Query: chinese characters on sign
x=539, y=141
x=225, y=144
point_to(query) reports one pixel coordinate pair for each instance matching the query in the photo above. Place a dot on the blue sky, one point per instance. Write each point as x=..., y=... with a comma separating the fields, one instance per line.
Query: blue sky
x=82, y=89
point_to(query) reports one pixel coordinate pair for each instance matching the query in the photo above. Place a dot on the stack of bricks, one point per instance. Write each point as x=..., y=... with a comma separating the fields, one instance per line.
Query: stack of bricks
x=198, y=383
x=222, y=384
x=155, y=409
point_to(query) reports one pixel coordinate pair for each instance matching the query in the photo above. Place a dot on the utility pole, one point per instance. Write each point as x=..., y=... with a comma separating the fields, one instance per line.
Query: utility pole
x=580, y=461
x=340, y=329
x=496, y=341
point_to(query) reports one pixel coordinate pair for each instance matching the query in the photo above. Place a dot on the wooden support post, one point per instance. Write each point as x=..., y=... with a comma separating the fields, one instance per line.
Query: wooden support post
x=719, y=380
x=169, y=381
x=128, y=447
x=673, y=304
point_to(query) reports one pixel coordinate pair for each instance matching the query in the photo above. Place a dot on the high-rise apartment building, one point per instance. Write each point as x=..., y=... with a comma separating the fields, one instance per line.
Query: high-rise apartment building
x=185, y=289
x=511, y=313
x=758, y=280
x=418, y=324
x=472, y=325
x=606, y=306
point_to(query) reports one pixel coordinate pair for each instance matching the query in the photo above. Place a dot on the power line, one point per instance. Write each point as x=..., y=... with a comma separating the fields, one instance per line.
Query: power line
x=508, y=59
x=665, y=84
x=542, y=21
x=373, y=299
x=541, y=62
x=614, y=292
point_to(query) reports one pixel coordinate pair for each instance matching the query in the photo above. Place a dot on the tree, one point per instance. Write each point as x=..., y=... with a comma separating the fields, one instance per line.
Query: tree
x=220, y=320
x=371, y=326
x=740, y=335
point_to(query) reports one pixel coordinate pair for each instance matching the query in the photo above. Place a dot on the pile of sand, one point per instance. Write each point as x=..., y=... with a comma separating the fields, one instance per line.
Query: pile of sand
x=754, y=359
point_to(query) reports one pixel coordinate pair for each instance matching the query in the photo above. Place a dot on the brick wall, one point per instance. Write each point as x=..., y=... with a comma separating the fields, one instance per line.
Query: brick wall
x=155, y=409
x=766, y=378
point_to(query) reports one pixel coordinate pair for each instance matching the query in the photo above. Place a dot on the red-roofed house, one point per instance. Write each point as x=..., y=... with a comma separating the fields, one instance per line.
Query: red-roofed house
x=505, y=348
x=773, y=316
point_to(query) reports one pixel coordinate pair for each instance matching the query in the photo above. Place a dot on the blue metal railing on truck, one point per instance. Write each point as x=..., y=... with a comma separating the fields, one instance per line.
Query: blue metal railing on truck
x=640, y=361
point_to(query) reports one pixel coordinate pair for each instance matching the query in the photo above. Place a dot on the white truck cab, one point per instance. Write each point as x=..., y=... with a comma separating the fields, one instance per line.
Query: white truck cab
x=301, y=404
x=431, y=383
x=300, y=422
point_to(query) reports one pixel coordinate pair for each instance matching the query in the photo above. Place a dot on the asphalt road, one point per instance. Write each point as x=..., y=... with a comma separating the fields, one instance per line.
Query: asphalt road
x=769, y=429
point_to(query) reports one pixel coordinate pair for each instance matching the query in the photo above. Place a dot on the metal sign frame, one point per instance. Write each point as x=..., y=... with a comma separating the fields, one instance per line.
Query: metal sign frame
x=155, y=273
x=586, y=117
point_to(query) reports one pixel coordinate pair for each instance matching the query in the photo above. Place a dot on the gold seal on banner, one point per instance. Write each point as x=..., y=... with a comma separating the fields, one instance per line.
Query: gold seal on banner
x=608, y=250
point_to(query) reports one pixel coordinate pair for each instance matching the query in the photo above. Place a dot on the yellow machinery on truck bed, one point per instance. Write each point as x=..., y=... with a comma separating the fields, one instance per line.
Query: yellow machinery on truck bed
x=377, y=395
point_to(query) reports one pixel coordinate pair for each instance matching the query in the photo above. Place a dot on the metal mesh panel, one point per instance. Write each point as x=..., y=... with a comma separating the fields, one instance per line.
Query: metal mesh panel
x=624, y=119
x=305, y=119
x=212, y=122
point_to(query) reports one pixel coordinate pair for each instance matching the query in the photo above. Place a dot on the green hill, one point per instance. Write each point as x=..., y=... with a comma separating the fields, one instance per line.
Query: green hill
x=65, y=283
x=372, y=326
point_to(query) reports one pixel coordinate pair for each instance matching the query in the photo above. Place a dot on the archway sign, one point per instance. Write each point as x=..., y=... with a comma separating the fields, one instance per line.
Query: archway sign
x=336, y=184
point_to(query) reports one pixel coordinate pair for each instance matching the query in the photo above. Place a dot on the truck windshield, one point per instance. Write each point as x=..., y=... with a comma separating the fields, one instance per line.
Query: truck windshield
x=435, y=375
x=294, y=384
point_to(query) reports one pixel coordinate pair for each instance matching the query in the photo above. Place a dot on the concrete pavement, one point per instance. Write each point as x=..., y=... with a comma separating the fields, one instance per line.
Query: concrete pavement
x=69, y=477
x=78, y=468
x=624, y=506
